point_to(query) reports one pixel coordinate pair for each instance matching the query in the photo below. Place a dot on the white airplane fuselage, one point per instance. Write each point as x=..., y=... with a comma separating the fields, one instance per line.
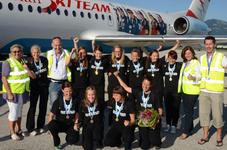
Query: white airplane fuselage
x=29, y=22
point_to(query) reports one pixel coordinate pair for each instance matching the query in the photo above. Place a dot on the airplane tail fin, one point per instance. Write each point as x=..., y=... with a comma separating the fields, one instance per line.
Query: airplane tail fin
x=198, y=9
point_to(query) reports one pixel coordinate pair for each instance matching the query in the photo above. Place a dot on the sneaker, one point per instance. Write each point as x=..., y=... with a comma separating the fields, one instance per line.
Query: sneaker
x=167, y=128
x=26, y=133
x=173, y=129
x=34, y=133
x=58, y=147
x=15, y=137
x=41, y=130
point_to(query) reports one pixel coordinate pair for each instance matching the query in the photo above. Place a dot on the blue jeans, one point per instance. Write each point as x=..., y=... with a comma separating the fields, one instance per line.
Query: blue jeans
x=54, y=90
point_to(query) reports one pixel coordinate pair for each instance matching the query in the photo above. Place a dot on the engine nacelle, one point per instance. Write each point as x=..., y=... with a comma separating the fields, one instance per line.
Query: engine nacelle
x=189, y=25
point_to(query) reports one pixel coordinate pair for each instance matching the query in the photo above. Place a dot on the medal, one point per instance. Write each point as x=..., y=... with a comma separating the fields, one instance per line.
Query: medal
x=91, y=113
x=81, y=69
x=137, y=76
x=171, y=70
x=67, y=108
x=96, y=72
x=152, y=74
x=97, y=67
x=145, y=100
x=117, y=111
x=81, y=74
x=137, y=68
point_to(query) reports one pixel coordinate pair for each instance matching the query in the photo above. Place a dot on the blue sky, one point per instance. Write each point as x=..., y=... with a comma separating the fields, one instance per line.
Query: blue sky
x=217, y=8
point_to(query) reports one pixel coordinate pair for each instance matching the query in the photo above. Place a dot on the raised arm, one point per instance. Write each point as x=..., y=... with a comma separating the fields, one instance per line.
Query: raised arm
x=127, y=88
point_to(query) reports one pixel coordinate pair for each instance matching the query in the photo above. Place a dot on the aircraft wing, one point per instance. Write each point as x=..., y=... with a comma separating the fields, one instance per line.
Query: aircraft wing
x=143, y=40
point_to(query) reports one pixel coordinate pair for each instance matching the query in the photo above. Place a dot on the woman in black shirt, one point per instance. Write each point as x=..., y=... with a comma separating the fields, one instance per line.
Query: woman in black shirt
x=90, y=118
x=171, y=73
x=38, y=90
x=154, y=67
x=64, y=111
x=146, y=99
x=123, y=120
x=79, y=69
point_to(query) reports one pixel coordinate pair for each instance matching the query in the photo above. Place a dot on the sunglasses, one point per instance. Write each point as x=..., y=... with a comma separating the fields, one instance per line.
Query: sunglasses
x=16, y=52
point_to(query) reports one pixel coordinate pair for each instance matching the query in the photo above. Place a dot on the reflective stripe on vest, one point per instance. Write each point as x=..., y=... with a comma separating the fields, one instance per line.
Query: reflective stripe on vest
x=188, y=86
x=50, y=63
x=18, y=78
x=214, y=80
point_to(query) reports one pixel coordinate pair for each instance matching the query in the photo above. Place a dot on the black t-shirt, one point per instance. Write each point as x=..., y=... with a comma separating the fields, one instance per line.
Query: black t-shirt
x=86, y=119
x=152, y=102
x=136, y=72
x=80, y=74
x=154, y=71
x=96, y=71
x=128, y=108
x=171, y=74
x=41, y=70
x=58, y=110
x=112, y=80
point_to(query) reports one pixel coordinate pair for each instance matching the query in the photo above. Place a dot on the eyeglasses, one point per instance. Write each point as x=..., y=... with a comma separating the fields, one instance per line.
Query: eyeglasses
x=16, y=52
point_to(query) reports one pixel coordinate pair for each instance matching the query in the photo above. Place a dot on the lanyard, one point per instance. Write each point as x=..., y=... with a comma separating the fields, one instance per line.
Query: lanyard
x=145, y=100
x=38, y=67
x=57, y=60
x=67, y=107
x=118, y=109
x=118, y=65
x=171, y=70
x=98, y=64
x=91, y=111
x=81, y=67
x=137, y=67
x=209, y=61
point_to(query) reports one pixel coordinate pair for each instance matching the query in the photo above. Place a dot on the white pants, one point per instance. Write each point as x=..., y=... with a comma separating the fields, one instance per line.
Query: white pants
x=15, y=110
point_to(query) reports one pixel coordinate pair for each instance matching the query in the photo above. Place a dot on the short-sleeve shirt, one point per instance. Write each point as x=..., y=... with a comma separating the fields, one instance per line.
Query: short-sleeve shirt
x=59, y=111
x=17, y=97
x=128, y=108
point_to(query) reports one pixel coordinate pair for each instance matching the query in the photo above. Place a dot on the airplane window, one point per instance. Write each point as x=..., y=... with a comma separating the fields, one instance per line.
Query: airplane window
x=103, y=17
x=96, y=16
x=110, y=18
x=48, y=11
x=30, y=9
x=66, y=12
x=82, y=14
x=0, y=5
x=20, y=7
x=74, y=13
x=10, y=6
x=58, y=11
x=39, y=9
x=89, y=15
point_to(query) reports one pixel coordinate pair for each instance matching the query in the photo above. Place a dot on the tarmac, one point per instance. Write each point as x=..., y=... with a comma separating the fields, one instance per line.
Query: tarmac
x=169, y=141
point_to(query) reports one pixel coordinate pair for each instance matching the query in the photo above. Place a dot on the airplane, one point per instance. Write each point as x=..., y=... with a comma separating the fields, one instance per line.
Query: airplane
x=29, y=22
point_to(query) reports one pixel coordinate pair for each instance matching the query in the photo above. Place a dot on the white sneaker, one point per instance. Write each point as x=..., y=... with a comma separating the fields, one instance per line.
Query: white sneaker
x=173, y=130
x=34, y=133
x=15, y=137
x=41, y=130
x=167, y=128
x=26, y=133
x=58, y=147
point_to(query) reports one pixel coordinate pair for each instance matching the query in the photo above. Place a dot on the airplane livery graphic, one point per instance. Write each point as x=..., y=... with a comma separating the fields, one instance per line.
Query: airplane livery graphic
x=29, y=22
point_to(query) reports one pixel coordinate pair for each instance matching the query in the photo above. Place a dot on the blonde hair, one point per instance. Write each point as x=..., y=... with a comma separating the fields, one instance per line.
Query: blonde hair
x=16, y=46
x=113, y=58
x=86, y=101
x=35, y=47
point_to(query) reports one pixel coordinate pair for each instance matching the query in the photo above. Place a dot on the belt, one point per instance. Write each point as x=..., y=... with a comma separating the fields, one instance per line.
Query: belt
x=57, y=81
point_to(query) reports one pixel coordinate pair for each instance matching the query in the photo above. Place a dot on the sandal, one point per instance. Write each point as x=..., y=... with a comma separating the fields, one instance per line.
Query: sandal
x=219, y=143
x=203, y=141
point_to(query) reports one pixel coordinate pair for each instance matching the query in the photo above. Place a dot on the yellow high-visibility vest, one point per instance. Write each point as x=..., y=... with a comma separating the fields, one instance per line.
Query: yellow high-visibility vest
x=18, y=78
x=212, y=80
x=188, y=86
x=50, y=62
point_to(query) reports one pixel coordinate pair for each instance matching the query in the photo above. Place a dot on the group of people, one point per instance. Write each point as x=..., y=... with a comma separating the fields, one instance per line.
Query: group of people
x=75, y=85
x=138, y=23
